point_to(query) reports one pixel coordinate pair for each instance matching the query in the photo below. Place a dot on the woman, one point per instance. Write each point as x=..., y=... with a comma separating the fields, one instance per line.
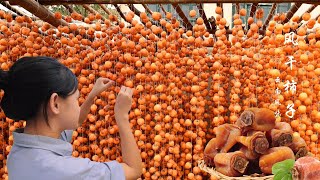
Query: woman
x=45, y=93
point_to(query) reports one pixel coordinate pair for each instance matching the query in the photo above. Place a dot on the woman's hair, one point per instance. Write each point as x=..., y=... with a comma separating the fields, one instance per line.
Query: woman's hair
x=29, y=84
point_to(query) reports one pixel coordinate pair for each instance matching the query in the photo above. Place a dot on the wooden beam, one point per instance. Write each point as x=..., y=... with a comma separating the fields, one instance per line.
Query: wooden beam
x=88, y=8
x=105, y=9
x=238, y=8
x=212, y=21
x=308, y=11
x=40, y=11
x=291, y=12
x=220, y=5
x=148, y=10
x=162, y=8
x=186, y=22
x=133, y=9
x=44, y=14
x=120, y=12
x=311, y=8
x=55, y=2
x=18, y=12
x=253, y=9
x=69, y=8
x=137, y=12
x=7, y=5
x=270, y=15
x=203, y=16
x=93, y=11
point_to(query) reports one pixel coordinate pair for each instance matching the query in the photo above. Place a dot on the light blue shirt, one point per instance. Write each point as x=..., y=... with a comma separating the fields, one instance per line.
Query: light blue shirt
x=35, y=157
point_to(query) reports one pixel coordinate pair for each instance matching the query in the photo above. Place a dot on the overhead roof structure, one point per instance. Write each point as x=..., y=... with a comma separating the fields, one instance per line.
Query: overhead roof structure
x=39, y=9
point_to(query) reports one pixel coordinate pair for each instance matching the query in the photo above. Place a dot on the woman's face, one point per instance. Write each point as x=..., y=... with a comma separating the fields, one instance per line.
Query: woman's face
x=70, y=112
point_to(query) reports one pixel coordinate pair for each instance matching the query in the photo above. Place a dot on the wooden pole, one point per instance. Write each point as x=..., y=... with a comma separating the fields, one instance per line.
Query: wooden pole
x=133, y=9
x=19, y=13
x=137, y=12
x=7, y=5
x=69, y=8
x=120, y=12
x=220, y=5
x=253, y=9
x=311, y=8
x=40, y=11
x=203, y=16
x=148, y=10
x=91, y=10
x=105, y=9
x=308, y=11
x=186, y=22
x=270, y=15
x=238, y=8
x=212, y=21
x=55, y=2
x=162, y=8
x=291, y=12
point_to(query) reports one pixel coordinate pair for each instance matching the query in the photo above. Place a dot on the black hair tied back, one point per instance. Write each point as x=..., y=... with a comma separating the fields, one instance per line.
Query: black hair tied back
x=3, y=79
x=29, y=84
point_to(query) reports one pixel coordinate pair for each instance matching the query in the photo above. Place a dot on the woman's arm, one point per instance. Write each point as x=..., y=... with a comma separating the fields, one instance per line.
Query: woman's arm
x=101, y=85
x=130, y=152
x=85, y=108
